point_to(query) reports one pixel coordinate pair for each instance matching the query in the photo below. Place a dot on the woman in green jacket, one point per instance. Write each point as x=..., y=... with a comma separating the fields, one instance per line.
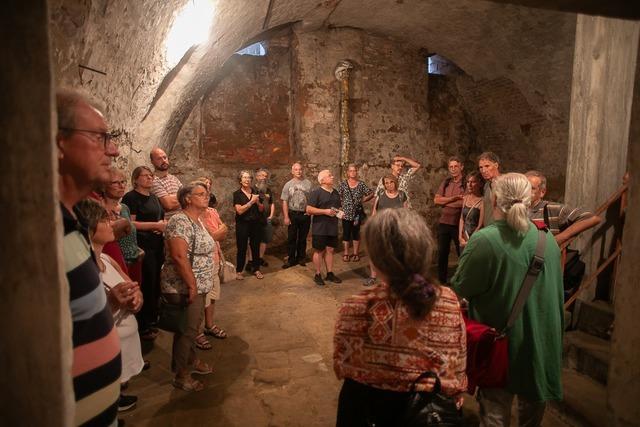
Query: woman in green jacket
x=490, y=274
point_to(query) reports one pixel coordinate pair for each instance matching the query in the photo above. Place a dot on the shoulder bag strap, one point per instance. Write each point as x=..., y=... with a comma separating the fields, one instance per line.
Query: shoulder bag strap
x=193, y=242
x=535, y=267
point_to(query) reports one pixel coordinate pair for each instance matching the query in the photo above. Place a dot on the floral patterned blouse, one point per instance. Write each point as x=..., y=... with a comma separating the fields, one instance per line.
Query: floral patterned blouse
x=352, y=197
x=182, y=227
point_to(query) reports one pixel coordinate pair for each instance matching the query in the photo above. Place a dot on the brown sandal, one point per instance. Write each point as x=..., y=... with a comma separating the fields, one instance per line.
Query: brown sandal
x=202, y=342
x=355, y=258
x=259, y=274
x=345, y=258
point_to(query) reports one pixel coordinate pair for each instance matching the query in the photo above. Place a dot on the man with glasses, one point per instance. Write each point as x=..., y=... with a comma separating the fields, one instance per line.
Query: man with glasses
x=165, y=185
x=85, y=150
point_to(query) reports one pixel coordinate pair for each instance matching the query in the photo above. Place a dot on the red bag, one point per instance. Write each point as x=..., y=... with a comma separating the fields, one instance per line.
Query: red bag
x=487, y=356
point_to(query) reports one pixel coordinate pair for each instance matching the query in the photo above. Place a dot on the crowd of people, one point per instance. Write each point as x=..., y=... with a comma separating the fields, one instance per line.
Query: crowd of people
x=128, y=254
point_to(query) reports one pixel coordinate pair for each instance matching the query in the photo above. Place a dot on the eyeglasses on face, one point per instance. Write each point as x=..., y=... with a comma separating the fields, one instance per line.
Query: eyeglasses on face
x=103, y=137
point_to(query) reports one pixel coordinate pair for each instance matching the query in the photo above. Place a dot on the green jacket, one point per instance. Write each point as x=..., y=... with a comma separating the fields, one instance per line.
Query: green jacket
x=489, y=275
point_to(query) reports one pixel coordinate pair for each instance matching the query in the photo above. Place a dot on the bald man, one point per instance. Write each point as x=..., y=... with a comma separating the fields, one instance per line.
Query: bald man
x=165, y=186
x=324, y=204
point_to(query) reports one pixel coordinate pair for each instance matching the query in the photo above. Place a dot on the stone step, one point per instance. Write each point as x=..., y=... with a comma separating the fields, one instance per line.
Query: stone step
x=595, y=318
x=587, y=354
x=584, y=402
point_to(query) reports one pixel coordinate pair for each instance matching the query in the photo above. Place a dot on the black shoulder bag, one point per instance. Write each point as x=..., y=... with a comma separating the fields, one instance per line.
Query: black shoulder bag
x=430, y=408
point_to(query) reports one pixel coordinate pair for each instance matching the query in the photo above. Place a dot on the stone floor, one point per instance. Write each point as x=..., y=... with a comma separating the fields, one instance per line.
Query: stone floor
x=274, y=369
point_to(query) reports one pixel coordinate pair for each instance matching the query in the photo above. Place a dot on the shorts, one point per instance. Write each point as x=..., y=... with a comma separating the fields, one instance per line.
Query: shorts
x=349, y=231
x=320, y=243
x=267, y=233
x=214, y=293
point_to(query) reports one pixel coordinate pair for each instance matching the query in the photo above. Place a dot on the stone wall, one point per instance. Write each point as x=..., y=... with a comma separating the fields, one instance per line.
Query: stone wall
x=523, y=135
x=124, y=42
x=273, y=110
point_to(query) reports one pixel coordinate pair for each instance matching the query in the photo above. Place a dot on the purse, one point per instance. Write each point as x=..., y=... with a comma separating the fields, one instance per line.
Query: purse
x=172, y=313
x=358, y=216
x=430, y=408
x=172, y=310
x=227, y=271
x=487, y=348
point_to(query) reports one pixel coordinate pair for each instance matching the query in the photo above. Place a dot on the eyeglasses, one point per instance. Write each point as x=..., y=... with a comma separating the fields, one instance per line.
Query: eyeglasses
x=104, y=137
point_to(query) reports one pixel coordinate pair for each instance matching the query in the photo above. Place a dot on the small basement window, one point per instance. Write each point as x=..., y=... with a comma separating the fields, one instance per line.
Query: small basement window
x=437, y=64
x=256, y=49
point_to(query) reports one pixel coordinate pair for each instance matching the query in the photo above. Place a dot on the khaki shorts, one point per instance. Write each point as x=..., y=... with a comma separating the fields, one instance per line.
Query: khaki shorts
x=214, y=293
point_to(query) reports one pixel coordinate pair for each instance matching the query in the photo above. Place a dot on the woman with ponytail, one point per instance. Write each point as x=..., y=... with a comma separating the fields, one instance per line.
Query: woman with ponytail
x=490, y=273
x=388, y=335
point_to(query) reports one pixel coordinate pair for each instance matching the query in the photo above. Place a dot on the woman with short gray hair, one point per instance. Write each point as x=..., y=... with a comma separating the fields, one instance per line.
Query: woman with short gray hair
x=187, y=276
x=248, y=209
x=490, y=274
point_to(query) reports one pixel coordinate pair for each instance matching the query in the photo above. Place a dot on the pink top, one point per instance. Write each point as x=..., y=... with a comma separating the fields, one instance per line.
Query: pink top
x=211, y=220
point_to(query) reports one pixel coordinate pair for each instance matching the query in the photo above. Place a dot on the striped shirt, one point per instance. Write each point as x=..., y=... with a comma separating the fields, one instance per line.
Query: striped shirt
x=96, y=347
x=166, y=186
x=556, y=217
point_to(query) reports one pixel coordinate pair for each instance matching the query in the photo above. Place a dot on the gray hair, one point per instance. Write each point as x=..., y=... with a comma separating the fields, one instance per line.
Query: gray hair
x=242, y=172
x=400, y=245
x=322, y=175
x=66, y=102
x=513, y=198
x=186, y=190
x=490, y=156
x=540, y=176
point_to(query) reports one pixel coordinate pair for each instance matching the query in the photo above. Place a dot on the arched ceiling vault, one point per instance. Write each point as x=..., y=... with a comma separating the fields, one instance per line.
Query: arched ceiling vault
x=532, y=47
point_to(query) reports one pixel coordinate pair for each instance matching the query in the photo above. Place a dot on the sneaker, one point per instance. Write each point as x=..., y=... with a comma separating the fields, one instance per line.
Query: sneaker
x=302, y=263
x=288, y=264
x=333, y=278
x=370, y=281
x=264, y=263
x=318, y=279
x=126, y=402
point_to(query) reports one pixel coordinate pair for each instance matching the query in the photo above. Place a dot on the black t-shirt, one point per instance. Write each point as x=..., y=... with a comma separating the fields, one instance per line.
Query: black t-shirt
x=146, y=209
x=251, y=214
x=324, y=225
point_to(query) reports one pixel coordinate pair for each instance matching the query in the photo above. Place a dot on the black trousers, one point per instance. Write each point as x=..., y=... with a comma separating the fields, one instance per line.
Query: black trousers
x=446, y=233
x=152, y=261
x=297, y=236
x=251, y=230
x=360, y=405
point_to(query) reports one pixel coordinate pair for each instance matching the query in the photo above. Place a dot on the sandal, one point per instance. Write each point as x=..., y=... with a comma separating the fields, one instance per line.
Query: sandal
x=188, y=384
x=201, y=368
x=355, y=258
x=345, y=258
x=259, y=275
x=239, y=276
x=203, y=343
x=216, y=332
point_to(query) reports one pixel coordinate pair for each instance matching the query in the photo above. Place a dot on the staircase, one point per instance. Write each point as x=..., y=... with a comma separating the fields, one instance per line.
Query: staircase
x=587, y=343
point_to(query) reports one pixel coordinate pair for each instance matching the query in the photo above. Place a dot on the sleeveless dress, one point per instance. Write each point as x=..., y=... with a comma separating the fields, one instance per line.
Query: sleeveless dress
x=471, y=217
x=126, y=325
